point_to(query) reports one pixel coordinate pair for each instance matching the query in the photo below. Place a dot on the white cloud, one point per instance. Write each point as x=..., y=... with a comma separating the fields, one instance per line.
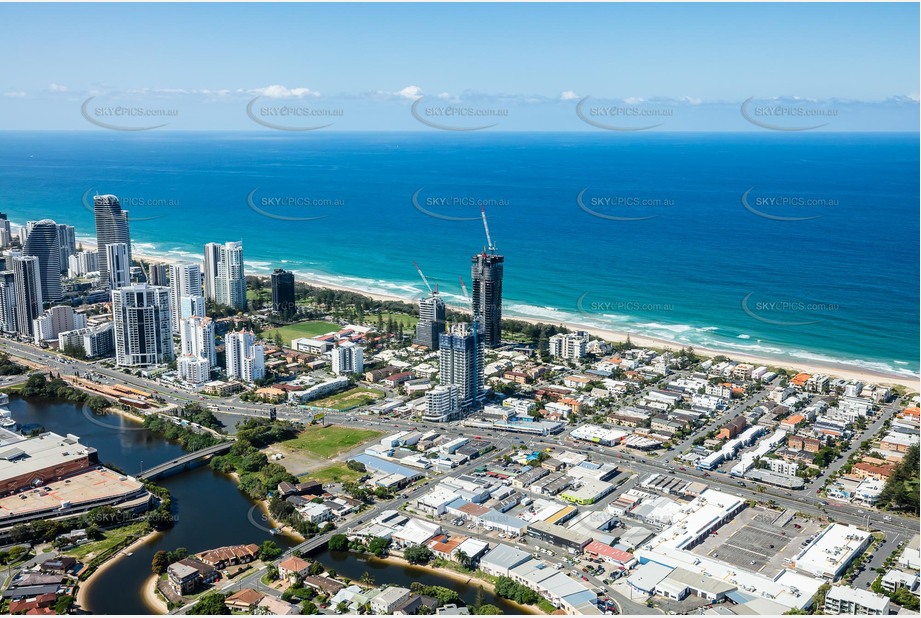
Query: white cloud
x=634, y=100
x=16, y=94
x=444, y=96
x=410, y=92
x=276, y=91
x=568, y=95
x=57, y=88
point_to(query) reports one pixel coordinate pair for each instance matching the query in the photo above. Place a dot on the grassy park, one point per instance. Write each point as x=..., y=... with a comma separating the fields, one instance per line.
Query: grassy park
x=346, y=400
x=328, y=442
x=310, y=328
x=336, y=473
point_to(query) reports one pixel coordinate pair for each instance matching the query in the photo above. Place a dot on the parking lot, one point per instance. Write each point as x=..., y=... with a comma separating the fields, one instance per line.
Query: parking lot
x=754, y=542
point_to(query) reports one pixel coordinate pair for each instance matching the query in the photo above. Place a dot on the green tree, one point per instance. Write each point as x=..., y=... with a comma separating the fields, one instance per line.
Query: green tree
x=902, y=491
x=339, y=542
x=906, y=599
x=211, y=604
x=488, y=610
x=308, y=608
x=63, y=604
x=462, y=559
x=417, y=554
x=269, y=550
x=351, y=464
x=18, y=552
x=160, y=562
x=378, y=546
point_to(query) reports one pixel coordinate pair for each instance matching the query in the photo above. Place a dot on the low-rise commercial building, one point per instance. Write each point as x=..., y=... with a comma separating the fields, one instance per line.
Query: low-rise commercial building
x=499, y=561
x=852, y=601
x=829, y=554
x=557, y=535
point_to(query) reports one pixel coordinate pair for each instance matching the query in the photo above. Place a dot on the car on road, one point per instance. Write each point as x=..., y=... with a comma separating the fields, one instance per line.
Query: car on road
x=683, y=469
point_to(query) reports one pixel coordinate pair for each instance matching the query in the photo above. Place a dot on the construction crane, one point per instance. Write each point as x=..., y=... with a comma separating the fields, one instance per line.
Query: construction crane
x=424, y=280
x=492, y=247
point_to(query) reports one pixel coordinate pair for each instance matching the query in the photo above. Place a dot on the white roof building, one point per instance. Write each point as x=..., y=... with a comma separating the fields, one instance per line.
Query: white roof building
x=831, y=551
x=416, y=532
x=847, y=600
x=597, y=433
x=911, y=555
x=502, y=559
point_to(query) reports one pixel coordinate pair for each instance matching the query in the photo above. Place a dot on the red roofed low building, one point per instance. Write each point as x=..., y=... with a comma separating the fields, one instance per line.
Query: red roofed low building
x=792, y=422
x=732, y=428
x=394, y=380
x=575, y=404
x=879, y=472
x=244, y=600
x=444, y=547
x=473, y=510
x=291, y=567
x=222, y=557
x=517, y=376
x=621, y=559
x=39, y=602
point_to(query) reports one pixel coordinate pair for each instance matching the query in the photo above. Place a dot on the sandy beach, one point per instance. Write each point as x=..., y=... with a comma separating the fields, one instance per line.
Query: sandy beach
x=154, y=602
x=82, y=591
x=840, y=370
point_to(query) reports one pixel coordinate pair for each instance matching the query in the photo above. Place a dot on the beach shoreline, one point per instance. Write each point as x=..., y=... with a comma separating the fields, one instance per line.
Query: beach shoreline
x=149, y=594
x=471, y=579
x=83, y=589
x=842, y=370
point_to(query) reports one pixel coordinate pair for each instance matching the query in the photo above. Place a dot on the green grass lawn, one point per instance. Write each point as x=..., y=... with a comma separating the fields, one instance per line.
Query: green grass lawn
x=264, y=294
x=110, y=539
x=301, y=329
x=354, y=397
x=337, y=473
x=327, y=442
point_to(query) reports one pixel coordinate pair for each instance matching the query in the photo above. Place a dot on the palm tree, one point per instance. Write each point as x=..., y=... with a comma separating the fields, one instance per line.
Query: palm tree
x=367, y=578
x=462, y=558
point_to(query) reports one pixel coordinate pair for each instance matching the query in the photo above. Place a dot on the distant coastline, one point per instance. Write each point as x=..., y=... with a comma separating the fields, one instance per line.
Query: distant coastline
x=842, y=370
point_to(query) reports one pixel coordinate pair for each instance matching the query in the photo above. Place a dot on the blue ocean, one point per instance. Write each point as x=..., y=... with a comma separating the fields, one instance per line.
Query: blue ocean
x=794, y=246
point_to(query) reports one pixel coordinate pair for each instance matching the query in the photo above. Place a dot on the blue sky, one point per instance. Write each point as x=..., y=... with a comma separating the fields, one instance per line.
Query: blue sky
x=848, y=66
